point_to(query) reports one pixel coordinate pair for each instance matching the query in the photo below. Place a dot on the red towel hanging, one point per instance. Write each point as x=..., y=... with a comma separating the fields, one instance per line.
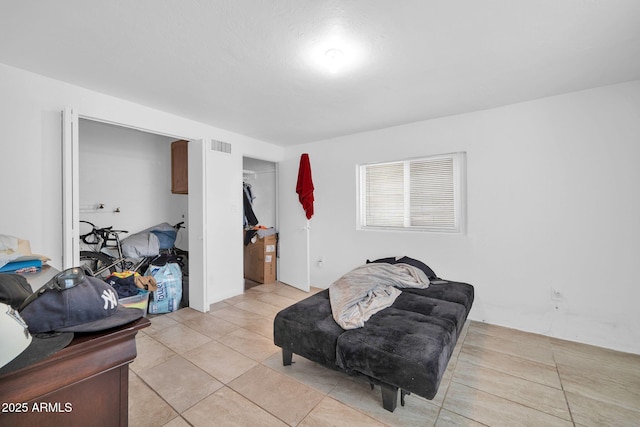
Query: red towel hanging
x=304, y=187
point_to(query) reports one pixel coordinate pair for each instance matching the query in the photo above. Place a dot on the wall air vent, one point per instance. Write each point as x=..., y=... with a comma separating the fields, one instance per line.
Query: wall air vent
x=223, y=147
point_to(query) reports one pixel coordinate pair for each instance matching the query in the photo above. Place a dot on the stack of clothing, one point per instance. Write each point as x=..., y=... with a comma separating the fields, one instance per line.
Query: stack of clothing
x=129, y=283
x=16, y=256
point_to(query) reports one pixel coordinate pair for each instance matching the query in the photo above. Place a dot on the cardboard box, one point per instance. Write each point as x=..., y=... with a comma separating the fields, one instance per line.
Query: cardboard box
x=260, y=260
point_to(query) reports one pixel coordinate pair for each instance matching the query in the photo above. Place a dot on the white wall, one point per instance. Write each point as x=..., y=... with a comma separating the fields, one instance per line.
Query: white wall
x=30, y=156
x=553, y=201
x=224, y=226
x=129, y=170
x=553, y=198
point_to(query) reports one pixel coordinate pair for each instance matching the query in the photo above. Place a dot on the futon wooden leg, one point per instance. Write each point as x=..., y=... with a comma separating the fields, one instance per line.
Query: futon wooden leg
x=286, y=357
x=389, y=397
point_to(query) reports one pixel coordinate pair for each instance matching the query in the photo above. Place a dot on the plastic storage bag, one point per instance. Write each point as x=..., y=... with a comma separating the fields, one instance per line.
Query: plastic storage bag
x=169, y=293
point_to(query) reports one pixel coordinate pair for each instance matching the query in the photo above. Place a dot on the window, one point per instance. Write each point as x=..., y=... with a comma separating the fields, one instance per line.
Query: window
x=415, y=194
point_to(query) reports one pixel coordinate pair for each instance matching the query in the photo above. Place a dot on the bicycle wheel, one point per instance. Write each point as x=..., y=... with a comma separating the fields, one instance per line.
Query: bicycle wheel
x=97, y=264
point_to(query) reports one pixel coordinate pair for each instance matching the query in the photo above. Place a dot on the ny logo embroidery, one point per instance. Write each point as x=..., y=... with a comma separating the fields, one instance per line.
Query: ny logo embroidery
x=109, y=297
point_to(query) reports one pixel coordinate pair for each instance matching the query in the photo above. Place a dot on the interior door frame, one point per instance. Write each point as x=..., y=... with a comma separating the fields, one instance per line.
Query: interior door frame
x=70, y=189
x=197, y=229
x=294, y=266
x=71, y=201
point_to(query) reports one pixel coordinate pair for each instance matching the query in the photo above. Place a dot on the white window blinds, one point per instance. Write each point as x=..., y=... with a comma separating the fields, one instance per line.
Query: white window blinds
x=384, y=195
x=418, y=194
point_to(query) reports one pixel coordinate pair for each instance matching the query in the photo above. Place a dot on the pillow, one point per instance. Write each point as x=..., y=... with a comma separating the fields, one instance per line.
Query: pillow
x=406, y=260
x=418, y=264
x=390, y=260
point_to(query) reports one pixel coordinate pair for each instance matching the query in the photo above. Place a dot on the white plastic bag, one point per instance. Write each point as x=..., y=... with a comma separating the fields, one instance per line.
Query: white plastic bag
x=169, y=293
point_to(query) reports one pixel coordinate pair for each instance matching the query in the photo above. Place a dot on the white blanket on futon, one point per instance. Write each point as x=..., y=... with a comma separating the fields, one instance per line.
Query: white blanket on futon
x=367, y=289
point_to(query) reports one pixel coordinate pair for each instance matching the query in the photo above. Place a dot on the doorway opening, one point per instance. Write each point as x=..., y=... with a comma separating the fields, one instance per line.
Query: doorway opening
x=71, y=203
x=125, y=179
x=259, y=188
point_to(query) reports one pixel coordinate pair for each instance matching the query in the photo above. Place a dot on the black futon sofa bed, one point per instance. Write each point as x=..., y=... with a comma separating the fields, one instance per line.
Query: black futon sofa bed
x=405, y=347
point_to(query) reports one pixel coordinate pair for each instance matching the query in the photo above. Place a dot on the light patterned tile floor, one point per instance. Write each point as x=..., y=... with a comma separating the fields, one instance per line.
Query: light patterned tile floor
x=222, y=369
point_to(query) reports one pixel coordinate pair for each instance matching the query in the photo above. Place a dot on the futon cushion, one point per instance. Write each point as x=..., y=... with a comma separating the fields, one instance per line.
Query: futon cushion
x=432, y=307
x=407, y=345
x=460, y=293
x=308, y=329
x=402, y=348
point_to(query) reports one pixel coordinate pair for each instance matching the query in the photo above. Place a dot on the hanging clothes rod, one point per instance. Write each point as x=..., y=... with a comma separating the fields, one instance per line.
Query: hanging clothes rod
x=246, y=172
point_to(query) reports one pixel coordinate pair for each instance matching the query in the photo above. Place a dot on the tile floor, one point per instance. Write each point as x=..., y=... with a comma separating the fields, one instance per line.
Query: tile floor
x=222, y=369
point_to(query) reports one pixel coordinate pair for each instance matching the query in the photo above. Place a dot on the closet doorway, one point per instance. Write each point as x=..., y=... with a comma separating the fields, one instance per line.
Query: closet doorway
x=260, y=219
x=125, y=180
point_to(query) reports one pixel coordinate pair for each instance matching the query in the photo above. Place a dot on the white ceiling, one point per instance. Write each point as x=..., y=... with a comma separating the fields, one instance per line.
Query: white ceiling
x=248, y=65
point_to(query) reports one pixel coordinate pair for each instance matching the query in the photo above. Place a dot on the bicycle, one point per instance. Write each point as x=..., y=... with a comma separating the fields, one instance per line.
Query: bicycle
x=99, y=263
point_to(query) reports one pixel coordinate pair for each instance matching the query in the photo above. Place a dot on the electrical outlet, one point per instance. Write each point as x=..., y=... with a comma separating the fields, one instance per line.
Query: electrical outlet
x=556, y=295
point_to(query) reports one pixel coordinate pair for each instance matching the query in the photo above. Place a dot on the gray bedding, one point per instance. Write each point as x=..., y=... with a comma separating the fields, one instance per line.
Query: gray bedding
x=146, y=243
x=140, y=245
x=367, y=289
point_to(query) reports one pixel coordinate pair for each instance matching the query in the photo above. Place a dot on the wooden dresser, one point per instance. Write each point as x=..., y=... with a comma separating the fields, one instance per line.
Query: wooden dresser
x=84, y=384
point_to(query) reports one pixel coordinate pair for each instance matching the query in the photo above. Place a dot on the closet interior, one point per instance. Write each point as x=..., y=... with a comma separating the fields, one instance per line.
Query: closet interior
x=260, y=234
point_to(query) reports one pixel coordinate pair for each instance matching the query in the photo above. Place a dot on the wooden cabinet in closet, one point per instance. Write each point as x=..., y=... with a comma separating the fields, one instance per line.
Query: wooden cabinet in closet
x=179, y=167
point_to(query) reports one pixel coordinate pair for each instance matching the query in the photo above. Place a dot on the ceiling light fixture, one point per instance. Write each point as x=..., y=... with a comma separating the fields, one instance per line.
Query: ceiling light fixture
x=334, y=59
